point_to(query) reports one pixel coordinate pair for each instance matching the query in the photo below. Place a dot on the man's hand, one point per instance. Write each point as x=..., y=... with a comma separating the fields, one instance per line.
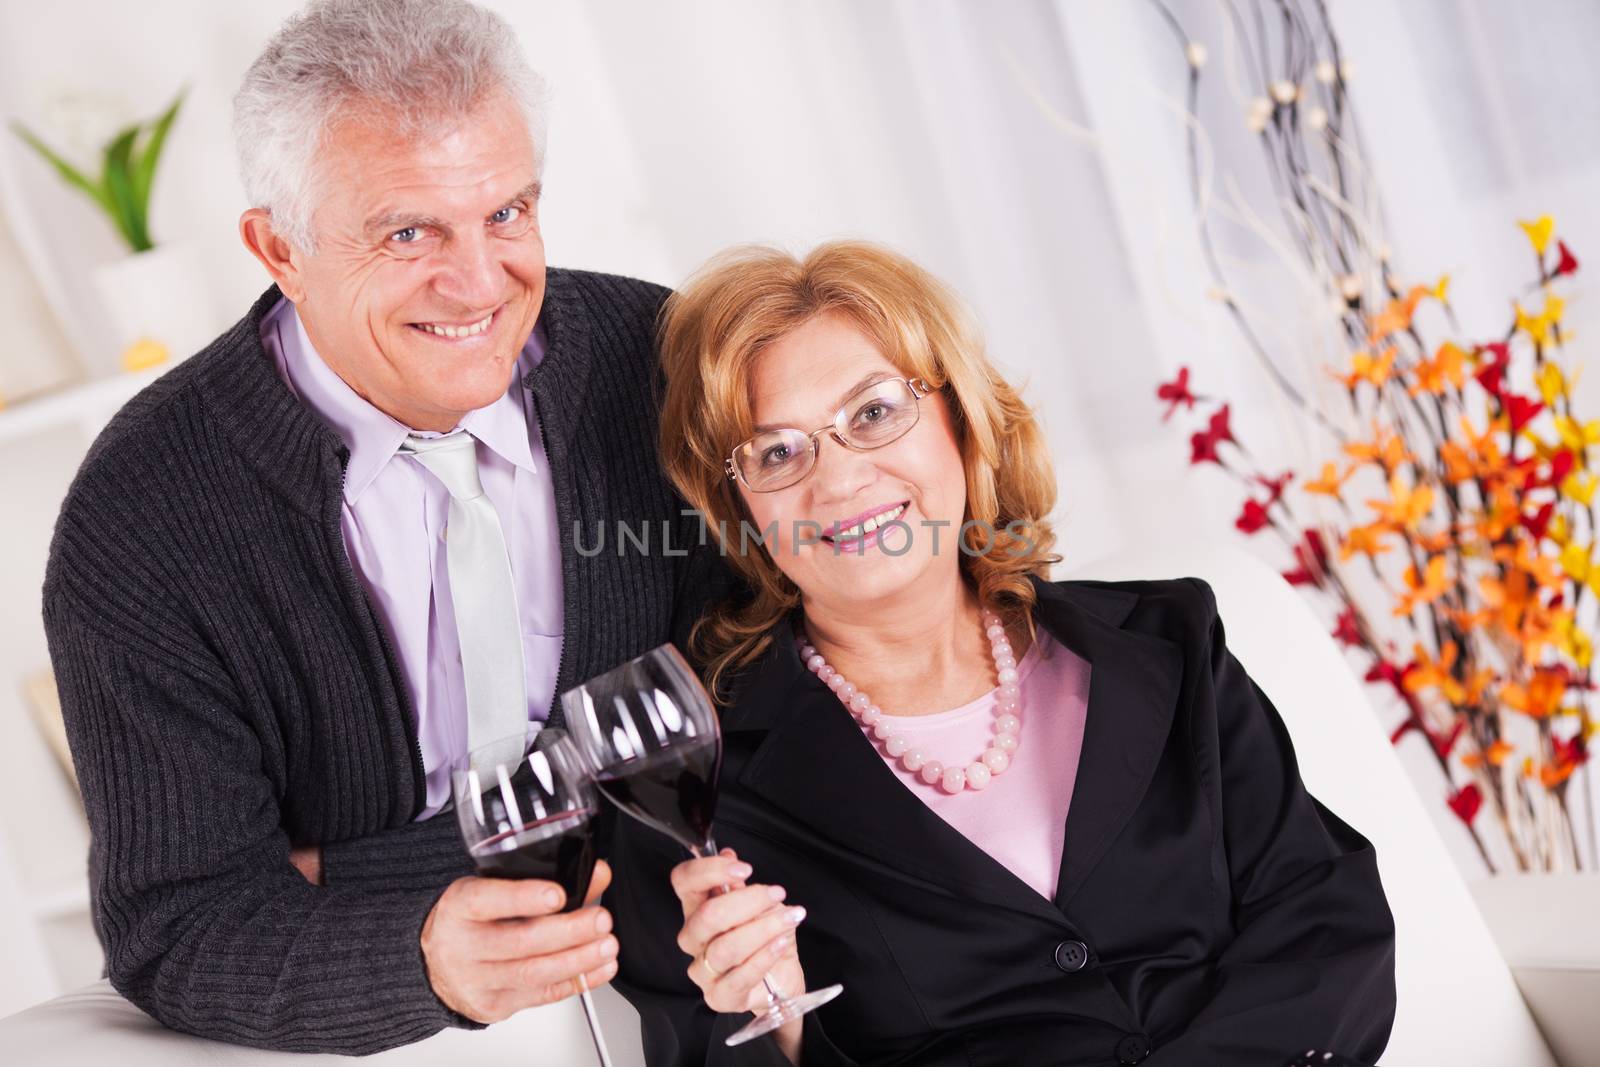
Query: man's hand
x=494, y=946
x=307, y=859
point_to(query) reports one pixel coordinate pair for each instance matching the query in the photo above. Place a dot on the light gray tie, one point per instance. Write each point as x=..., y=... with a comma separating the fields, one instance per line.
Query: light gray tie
x=481, y=591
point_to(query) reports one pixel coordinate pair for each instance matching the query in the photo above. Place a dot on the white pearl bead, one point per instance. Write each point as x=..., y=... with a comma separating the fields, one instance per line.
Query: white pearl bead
x=815, y=662
x=807, y=651
x=860, y=702
x=995, y=632
x=1011, y=692
x=1007, y=707
x=837, y=682
x=996, y=760
x=883, y=730
x=1007, y=676
x=932, y=771
x=827, y=673
x=954, y=780
x=1007, y=724
x=871, y=715
x=896, y=746
x=1002, y=648
x=914, y=758
x=977, y=775
x=846, y=691
x=1002, y=663
x=1005, y=742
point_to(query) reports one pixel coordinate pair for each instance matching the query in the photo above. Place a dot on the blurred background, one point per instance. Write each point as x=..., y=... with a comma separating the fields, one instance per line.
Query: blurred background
x=1032, y=153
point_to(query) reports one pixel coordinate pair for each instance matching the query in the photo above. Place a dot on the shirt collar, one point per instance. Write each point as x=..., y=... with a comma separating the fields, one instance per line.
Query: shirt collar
x=372, y=436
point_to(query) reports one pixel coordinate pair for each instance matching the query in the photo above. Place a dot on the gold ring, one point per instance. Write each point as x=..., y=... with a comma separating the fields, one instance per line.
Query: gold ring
x=705, y=961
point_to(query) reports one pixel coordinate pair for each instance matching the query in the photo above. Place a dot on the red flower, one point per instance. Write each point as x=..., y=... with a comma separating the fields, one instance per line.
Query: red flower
x=1311, y=559
x=1345, y=629
x=1466, y=802
x=1560, y=467
x=1252, y=518
x=1274, y=486
x=1568, y=262
x=1574, y=751
x=1176, y=392
x=1540, y=520
x=1443, y=744
x=1521, y=409
x=1492, y=374
x=1203, y=445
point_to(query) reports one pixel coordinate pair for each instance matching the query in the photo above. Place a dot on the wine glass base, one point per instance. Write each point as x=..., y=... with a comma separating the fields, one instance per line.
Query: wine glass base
x=784, y=1011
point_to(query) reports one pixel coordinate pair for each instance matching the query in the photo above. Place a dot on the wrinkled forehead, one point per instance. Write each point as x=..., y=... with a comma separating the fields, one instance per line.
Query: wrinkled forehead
x=376, y=165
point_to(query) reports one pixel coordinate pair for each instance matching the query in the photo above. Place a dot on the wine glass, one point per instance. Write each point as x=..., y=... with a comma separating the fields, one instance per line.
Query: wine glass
x=525, y=805
x=650, y=735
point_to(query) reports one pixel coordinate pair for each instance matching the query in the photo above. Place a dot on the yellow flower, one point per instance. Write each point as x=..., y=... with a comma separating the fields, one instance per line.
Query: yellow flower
x=1441, y=289
x=143, y=353
x=1538, y=232
x=1549, y=380
x=1579, y=487
x=1574, y=436
x=1557, y=531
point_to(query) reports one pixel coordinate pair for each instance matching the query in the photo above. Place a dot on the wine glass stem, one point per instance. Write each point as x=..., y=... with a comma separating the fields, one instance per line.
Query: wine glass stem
x=593, y=1019
x=775, y=996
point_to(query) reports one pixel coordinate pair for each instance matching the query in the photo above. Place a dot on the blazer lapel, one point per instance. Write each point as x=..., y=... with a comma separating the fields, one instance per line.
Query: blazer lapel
x=1134, y=680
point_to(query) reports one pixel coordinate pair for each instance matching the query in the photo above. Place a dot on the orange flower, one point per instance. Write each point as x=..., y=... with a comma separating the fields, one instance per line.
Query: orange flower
x=1445, y=368
x=1368, y=539
x=1386, y=449
x=1424, y=589
x=1330, y=482
x=1365, y=368
x=1407, y=506
x=1396, y=317
x=1541, y=696
x=1497, y=754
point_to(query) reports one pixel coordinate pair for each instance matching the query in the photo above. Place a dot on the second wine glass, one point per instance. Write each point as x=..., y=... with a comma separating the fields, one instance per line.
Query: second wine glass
x=651, y=736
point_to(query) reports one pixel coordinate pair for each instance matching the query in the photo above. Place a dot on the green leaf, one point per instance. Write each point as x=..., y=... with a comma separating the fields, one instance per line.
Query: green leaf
x=119, y=186
x=70, y=174
x=144, y=165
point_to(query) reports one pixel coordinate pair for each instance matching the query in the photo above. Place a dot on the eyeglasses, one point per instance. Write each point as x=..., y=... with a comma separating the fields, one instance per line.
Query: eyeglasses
x=876, y=416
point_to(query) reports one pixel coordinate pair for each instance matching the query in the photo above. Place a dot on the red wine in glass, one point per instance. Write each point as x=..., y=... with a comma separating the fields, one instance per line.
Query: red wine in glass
x=673, y=790
x=557, y=849
x=525, y=805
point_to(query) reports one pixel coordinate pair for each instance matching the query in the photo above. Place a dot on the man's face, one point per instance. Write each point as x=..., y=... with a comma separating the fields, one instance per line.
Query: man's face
x=429, y=270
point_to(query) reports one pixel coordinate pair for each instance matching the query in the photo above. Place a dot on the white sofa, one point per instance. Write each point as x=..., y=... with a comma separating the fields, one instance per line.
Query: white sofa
x=1458, y=1004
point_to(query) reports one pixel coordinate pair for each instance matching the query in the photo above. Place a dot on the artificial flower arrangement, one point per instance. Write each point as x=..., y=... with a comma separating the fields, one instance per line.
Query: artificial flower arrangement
x=1460, y=551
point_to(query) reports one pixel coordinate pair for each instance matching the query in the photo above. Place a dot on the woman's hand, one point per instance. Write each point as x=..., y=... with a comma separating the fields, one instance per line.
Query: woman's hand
x=736, y=933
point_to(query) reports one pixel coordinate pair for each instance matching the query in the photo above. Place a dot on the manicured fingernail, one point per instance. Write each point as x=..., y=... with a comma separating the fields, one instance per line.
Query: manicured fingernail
x=740, y=870
x=608, y=947
x=795, y=915
x=602, y=922
x=777, y=892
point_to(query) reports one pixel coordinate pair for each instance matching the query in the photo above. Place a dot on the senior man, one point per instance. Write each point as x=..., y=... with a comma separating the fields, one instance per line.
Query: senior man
x=308, y=567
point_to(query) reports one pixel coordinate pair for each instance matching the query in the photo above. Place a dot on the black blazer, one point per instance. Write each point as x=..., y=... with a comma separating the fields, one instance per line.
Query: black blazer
x=1209, y=912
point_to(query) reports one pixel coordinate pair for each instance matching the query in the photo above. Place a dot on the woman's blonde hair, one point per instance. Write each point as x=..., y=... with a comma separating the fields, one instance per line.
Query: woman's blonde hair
x=712, y=331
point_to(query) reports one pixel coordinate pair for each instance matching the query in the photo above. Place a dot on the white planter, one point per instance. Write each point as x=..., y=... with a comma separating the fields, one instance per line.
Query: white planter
x=163, y=295
x=1548, y=928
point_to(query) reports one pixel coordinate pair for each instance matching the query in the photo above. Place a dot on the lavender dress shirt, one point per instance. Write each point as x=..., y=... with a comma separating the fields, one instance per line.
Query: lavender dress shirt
x=394, y=519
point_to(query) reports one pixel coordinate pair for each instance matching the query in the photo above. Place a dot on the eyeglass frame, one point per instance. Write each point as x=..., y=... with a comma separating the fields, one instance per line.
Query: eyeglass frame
x=919, y=389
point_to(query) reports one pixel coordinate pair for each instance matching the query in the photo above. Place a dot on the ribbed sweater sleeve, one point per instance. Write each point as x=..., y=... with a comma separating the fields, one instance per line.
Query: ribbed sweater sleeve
x=208, y=927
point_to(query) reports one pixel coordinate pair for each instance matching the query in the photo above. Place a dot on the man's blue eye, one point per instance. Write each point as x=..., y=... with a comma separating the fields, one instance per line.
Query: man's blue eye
x=406, y=236
x=506, y=214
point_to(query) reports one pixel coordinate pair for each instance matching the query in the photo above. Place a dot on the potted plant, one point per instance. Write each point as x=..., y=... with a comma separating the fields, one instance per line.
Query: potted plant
x=153, y=295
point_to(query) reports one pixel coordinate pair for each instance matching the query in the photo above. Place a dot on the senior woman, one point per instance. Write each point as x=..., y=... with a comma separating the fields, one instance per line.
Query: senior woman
x=1022, y=822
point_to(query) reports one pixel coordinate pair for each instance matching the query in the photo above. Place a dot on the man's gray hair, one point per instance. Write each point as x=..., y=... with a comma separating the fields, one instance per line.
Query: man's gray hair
x=415, y=65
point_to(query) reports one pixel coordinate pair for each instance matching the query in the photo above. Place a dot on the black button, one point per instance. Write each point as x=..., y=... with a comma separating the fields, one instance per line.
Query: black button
x=1072, y=956
x=1133, y=1048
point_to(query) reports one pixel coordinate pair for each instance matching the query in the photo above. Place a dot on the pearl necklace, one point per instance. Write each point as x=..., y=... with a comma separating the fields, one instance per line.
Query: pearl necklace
x=952, y=779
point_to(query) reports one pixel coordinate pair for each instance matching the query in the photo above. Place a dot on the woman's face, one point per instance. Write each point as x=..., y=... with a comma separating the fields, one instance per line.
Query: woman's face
x=800, y=381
